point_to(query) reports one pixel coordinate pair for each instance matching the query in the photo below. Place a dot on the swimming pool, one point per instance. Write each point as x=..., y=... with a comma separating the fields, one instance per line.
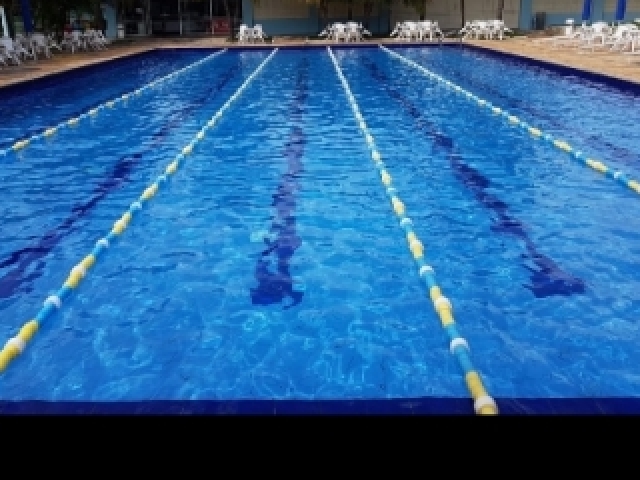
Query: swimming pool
x=270, y=271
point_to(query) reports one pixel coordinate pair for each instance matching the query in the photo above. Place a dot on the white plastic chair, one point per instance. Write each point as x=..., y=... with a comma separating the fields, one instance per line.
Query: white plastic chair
x=497, y=29
x=340, y=32
x=595, y=36
x=634, y=49
x=9, y=51
x=23, y=47
x=402, y=31
x=437, y=31
x=621, y=39
x=579, y=36
x=244, y=34
x=257, y=34
x=74, y=41
x=428, y=28
x=40, y=44
x=413, y=31
x=569, y=34
x=327, y=32
x=353, y=32
x=466, y=31
x=95, y=40
x=3, y=57
x=475, y=30
x=396, y=30
x=356, y=31
x=51, y=43
x=482, y=30
x=425, y=30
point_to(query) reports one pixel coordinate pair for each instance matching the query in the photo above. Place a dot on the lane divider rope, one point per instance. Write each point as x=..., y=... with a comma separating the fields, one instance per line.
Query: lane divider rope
x=484, y=404
x=16, y=345
x=93, y=112
x=577, y=155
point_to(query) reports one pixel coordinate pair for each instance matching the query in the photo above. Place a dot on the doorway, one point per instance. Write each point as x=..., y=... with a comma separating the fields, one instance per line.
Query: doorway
x=191, y=17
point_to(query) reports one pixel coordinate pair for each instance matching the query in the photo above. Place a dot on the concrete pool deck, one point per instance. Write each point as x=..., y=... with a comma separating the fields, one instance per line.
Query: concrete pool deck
x=616, y=65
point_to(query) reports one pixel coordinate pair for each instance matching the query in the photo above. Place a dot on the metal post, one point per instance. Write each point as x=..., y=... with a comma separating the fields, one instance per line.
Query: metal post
x=180, y=15
x=147, y=18
x=187, y=14
x=5, y=27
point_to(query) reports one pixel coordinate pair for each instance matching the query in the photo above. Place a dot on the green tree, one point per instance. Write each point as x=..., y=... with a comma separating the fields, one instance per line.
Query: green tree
x=52, y=16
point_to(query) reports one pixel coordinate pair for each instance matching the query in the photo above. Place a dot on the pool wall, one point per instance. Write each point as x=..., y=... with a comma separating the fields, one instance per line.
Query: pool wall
x=404, y=406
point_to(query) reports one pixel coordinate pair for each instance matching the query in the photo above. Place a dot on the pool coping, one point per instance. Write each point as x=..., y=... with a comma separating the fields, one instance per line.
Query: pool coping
x=618, y=81
x=379, y=406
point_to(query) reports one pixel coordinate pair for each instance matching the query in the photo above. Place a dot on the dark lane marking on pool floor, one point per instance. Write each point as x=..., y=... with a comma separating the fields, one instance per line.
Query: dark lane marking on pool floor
x=27, y=264
x=548, y=279
x=276, y=286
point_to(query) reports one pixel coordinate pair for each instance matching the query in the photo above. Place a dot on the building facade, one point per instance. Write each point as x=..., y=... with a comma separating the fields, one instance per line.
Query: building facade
x=295, y=17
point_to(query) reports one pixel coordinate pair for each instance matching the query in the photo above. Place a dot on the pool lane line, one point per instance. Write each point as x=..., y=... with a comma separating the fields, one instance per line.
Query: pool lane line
x=16, y=345
x=26, y=264
x=621, y=153
x=594, y=164
x=547, y=278
x=484, y=404
x=74, y=121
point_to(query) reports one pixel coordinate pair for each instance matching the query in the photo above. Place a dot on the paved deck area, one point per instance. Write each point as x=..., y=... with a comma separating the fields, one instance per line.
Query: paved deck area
x=617, y=65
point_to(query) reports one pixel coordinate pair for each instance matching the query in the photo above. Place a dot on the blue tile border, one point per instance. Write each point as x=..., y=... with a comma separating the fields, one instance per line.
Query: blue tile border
x=406, y=406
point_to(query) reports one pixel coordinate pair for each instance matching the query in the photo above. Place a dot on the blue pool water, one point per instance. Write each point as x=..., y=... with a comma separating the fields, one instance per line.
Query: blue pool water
x=271, y=269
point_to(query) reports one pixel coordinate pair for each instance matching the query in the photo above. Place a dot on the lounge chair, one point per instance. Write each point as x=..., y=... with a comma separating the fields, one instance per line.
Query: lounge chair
x=9, y=51
x=257, y=34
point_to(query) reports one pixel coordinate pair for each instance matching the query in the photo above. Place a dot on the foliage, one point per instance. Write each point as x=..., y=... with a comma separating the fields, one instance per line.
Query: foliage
x=52, y=16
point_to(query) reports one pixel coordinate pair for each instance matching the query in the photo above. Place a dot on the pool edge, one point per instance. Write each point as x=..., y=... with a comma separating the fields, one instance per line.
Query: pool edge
x=557, y=67
x=404, y=406
x=600, y=77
